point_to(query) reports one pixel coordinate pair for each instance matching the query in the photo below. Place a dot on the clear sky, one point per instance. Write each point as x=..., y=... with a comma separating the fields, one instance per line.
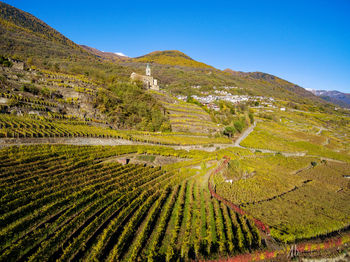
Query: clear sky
x=306, y=42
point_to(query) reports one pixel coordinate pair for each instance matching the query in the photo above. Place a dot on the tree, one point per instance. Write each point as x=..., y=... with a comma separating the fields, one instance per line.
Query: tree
x=238, y=126
x=229, y=131
x=251, y=117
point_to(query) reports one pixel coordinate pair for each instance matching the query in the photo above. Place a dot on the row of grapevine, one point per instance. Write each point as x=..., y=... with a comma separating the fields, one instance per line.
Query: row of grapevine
x=39, y=127
x=64, y=203
x=27, y=99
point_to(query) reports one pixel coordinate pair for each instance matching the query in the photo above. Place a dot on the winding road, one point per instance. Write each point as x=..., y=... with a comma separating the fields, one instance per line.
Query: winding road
x=244, y=135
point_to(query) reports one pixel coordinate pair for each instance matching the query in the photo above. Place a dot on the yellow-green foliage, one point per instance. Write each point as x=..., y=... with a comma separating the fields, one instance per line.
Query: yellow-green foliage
x=171, y=58
x=312, y=210
x=17, y=126
x=259, y=178
x=295, y=198
x=160, y=212
x=276, y=136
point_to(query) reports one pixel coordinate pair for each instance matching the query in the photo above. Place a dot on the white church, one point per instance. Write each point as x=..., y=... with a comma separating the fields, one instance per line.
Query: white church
x=148, y=80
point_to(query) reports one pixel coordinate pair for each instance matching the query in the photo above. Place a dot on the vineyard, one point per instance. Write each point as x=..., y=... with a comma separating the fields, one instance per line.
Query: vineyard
x=34, y=127
x=187, y=117
x=298, y=197
x=214, y=165
x=67, y=203
x=315, y=134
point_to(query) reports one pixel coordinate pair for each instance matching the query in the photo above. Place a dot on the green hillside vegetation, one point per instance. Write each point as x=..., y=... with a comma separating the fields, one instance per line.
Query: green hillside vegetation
x=172, y=58
x=121, y=105
x=129, y=106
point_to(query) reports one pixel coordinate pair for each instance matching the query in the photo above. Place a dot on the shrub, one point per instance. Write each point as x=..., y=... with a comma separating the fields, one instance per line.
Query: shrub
x=5, y=62
x=30, y=89
x=229, y=131
x=238, y=126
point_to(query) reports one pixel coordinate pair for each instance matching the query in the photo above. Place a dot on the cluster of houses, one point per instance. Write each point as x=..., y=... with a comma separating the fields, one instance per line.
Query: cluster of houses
x=228, y=87
x=235, y=99
x=210, y=99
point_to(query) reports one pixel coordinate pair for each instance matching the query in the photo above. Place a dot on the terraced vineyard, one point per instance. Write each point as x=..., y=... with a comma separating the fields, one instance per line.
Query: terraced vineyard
x=186, y=117
x=43, y=92
x=67, y=203
x=34, y=127
x=298, y=197
x=259, y=173
x=311, y=133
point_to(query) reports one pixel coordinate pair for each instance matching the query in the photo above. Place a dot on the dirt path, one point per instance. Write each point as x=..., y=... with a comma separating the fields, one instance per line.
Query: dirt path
x=4, y=142
x=320, y=130
x=65, y=140
x=244, y=135
x=249, y=130
x=205, y=178
x=114, y=142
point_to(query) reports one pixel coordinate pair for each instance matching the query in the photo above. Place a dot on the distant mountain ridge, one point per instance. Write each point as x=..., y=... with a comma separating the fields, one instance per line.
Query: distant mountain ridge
x=264, y=81
x=104, y=55
x=335, y=97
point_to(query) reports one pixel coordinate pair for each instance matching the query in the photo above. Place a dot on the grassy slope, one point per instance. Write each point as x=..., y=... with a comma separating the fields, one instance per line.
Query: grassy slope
x=171, y=57
x=25, y=35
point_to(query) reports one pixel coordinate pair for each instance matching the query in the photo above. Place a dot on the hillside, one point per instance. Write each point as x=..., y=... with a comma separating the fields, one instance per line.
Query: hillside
x=270, y=85
x=27, y=38
x=171, y=57
x=335, y=97
x=109, y=56
x=24, y=35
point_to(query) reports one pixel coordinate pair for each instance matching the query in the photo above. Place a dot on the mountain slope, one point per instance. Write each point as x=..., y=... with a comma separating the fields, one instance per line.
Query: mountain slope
x=171, y=57
x=23, y=36
x=10, y=15
x=270, y=85
x=335, y=97
x=109, y=56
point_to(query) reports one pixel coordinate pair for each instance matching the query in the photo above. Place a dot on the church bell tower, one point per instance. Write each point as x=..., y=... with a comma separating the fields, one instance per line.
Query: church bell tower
x=148, y=70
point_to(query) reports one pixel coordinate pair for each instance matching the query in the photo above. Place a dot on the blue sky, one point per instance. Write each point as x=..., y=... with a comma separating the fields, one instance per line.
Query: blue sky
x=305, y=42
